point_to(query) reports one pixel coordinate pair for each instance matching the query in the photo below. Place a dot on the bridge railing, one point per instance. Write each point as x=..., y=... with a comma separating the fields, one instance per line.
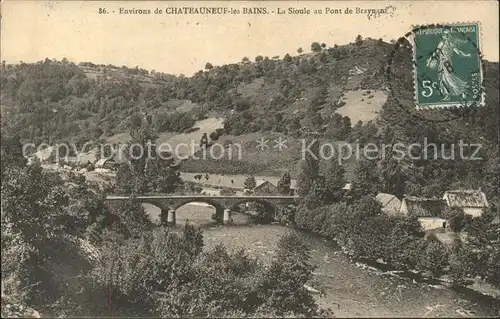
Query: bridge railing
x=168, y=196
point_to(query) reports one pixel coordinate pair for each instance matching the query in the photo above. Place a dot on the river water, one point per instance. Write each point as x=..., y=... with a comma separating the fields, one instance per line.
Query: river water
x=350, y=289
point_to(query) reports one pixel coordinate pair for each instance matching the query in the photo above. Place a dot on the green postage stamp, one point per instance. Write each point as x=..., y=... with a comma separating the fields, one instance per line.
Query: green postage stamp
x=447, y=66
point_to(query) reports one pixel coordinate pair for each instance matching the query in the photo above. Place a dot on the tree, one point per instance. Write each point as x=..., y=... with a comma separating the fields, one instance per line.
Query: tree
x=334, y=178
x=250, y=183
x=299, y=50
x=208, y=66
x=392, y=178
x=287, y=58
x=339, y=127
x=204, y=140
x=282, y=288
x=129, y=219
x=294, y=127
x=284, y=184
x=316, y=47
x=366, y=180
x=359, y=39
x=318, y=194
x=123, y=178
x=434, y=258
x=147, y=172
x=259, y=58
x=309, y=168
x=463, y=261
x=168, y=275
x=245, y=59
x=460, y=221
x=12, y=152
x=33, y=250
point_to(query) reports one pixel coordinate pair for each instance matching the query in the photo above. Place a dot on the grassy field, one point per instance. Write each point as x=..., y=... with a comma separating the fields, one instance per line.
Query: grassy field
x=362, y=105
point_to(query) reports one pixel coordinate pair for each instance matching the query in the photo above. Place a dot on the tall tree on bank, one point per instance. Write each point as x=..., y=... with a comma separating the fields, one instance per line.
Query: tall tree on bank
x=309, y=167
x=249, y=184
x=392, y=178
x=284, y=184
x=334, y=178
x=11, y=152
x=366, y=180
x=148, y=171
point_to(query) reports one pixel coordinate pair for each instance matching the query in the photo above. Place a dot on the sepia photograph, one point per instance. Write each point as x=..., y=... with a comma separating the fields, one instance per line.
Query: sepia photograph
x=250, y=159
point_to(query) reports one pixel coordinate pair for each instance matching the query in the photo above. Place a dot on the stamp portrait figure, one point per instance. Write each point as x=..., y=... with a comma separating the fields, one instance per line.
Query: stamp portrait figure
x=447, y=68
x=441, y=59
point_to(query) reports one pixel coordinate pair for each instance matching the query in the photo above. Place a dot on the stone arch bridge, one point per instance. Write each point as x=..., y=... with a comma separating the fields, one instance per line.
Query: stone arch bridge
x=223, y=205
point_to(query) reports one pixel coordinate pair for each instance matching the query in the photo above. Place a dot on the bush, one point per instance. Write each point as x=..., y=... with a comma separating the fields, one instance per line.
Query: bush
x=460, y=222
x=434, y=258
x=166, y=274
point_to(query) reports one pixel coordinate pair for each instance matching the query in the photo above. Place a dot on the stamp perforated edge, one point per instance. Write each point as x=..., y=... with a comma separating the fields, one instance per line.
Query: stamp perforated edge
x=414, y=57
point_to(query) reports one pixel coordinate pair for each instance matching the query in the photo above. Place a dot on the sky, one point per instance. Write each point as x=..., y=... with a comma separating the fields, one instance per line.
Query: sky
x=35, y=30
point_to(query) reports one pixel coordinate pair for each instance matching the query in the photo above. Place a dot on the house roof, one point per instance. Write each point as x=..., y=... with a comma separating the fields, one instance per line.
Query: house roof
x=466, y=198
x=101, y=162
x=390, y=203
x=384, y=198
x=261, y=182
x=424, y=207
x=347, y=186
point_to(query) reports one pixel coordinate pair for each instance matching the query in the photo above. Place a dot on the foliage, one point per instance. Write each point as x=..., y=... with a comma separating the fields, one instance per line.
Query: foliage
x=250, y=183
x=366, y=180
x=359, y=39
x=434, y=258
x=478, y=254
x=42, y=263
x=462, y=261
x=147, y=171
x=284, y=184
x=11, y=152
x=282, y=288
x=318, y=193
x=339, y=127
x=128, y=219
x=287, y=215
x=168, y=273
x=316, y=47
x=334, y=178
x=309, y=168
x=460, y=221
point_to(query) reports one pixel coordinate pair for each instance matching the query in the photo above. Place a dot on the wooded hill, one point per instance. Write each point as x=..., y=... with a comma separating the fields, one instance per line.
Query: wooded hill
x=328, y=90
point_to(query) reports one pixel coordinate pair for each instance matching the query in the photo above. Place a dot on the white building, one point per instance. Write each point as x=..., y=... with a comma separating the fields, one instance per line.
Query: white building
x=471, y=201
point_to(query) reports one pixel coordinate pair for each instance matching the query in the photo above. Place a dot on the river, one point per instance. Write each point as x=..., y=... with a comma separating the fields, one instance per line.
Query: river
x=350, y=290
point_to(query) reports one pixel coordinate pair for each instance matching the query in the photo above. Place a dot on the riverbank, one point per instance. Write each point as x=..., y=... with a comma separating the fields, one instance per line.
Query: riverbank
x=349, y=289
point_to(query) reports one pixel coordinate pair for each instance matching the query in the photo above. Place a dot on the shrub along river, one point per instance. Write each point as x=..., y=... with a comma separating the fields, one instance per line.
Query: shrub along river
x=350, y=288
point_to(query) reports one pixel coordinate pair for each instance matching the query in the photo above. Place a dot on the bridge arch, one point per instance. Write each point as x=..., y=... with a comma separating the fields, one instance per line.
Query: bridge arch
x=219, y=207
x=164, y=208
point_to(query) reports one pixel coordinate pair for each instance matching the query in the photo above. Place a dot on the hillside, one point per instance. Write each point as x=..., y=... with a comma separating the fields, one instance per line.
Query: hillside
x=329, y=91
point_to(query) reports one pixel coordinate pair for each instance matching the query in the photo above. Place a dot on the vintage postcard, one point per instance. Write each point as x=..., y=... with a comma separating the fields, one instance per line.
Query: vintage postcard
x=253, y=159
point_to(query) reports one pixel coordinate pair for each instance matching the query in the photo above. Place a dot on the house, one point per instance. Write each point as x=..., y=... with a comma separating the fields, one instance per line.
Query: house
x=347, y=187
x=427, y=210
x=265, y=187
x=391, y=205
x=472, y=202
x=107, y=163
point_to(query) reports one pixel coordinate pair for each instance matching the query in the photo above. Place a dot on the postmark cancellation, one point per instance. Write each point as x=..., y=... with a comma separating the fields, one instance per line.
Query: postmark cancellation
x=447, y=66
